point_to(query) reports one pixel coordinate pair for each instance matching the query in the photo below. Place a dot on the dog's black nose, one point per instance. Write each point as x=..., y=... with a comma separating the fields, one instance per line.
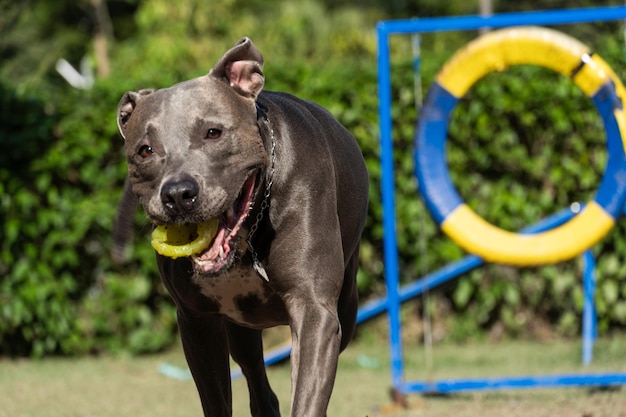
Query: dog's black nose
x=179, y=196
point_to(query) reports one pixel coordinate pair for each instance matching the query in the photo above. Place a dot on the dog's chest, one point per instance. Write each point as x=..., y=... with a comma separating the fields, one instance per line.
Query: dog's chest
x=242, y=296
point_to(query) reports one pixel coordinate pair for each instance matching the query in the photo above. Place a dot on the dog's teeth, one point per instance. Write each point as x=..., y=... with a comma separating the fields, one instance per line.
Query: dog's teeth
x=221, y=252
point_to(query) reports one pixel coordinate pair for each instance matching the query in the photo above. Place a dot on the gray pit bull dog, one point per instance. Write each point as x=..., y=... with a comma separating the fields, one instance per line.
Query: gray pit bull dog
x=290, y=189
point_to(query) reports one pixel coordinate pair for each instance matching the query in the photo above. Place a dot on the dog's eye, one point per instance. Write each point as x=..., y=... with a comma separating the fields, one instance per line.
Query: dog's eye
x=213, y=133
x=145, y=151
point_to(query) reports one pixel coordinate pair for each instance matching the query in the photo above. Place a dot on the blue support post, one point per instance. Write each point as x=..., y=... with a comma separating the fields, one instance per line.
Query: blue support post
x=589, y=315
x=389, y=209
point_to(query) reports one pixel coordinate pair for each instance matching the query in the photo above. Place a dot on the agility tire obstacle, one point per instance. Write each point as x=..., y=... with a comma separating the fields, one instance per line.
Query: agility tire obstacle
x=496, y=51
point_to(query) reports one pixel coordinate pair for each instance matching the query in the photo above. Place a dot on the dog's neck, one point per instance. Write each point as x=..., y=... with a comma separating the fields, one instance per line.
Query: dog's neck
x=263, y=119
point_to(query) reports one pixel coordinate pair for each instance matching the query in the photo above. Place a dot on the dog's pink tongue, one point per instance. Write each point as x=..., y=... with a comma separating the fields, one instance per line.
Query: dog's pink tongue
x=213, y=252
x=221, y=244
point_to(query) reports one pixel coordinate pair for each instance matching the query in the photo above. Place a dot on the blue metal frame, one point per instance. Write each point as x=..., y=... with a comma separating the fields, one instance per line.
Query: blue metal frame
x=394, y=294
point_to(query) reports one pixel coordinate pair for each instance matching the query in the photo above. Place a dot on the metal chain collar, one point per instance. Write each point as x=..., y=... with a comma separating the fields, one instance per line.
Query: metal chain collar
x=256, y=264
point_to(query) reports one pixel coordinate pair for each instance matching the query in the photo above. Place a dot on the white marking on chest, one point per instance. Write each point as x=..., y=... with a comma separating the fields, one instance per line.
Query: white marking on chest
x=226, y=289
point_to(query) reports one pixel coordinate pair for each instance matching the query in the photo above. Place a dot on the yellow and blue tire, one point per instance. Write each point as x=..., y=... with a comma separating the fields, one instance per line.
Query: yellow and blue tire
x=496, y=51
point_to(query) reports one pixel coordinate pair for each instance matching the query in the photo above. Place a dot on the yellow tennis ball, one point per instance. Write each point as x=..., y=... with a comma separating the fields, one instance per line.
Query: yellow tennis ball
x=182, y=240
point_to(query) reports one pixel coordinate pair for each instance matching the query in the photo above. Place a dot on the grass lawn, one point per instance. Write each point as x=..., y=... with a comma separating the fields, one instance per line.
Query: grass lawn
x=126, y=386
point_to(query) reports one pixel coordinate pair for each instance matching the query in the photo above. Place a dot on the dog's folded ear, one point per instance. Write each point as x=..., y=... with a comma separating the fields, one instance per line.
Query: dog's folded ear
x=242, y=67
x=127, y=105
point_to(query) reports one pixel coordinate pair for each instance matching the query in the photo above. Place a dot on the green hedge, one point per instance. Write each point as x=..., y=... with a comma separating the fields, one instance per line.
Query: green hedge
x=60, y=182
x=522, y=145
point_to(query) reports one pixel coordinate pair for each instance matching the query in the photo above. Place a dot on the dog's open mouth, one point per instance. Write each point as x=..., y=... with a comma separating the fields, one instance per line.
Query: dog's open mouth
x=210, y=244
x=220, y=253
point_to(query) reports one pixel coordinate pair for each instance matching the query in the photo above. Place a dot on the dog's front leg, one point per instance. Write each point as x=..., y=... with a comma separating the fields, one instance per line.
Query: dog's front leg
x=316, y=338
x=206, y=349
x=246, y=348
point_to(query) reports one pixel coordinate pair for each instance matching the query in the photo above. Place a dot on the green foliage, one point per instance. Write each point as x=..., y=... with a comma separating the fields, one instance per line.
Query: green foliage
x=522, y=145
x=60, y=184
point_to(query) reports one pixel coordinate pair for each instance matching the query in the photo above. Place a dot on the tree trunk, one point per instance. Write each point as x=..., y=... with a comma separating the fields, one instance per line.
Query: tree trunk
x=103, y=32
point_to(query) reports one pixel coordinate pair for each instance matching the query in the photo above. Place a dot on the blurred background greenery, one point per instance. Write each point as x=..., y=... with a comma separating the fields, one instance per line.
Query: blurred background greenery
x=522, y=145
